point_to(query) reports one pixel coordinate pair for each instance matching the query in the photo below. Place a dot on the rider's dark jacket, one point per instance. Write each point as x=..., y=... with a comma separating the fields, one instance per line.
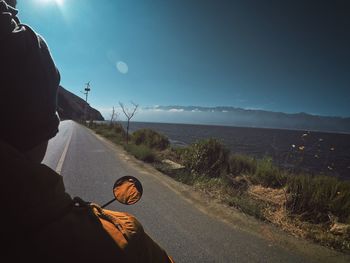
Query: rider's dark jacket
x=39, y=221
x=29, y=81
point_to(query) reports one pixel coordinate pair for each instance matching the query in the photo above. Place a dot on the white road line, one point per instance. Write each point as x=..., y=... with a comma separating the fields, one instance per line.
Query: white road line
x=64, y=153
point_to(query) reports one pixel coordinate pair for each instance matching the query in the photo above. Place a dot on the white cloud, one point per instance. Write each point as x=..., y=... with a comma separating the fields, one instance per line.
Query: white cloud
x=157, y=110
x=151, y=109
x=176, y=110
x=253, y=108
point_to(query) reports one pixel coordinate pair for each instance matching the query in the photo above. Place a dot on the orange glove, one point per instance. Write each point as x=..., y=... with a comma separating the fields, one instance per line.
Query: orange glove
x=128, y=234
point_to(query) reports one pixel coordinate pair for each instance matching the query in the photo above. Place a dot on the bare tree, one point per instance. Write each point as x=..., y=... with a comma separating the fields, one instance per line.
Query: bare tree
x=114, y=116
x=128, y=114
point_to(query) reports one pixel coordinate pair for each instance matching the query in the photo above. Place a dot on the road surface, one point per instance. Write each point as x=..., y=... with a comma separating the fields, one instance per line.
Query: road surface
x=188, y=229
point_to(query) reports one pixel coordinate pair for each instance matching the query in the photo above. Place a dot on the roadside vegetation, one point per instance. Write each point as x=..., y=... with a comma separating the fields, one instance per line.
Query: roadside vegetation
x=315, y=207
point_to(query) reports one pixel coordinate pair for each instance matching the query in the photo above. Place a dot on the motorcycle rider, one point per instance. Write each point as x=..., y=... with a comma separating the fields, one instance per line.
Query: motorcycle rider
x=40, y=221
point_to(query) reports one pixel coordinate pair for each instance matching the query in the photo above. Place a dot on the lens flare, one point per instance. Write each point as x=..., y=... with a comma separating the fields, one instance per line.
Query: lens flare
x=122, y=67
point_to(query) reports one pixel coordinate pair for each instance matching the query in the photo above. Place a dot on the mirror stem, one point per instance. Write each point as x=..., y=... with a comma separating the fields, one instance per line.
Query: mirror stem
x=108, y=203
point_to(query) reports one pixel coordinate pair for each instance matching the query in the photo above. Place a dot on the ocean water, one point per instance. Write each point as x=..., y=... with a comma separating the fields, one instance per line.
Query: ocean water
x=315, y=152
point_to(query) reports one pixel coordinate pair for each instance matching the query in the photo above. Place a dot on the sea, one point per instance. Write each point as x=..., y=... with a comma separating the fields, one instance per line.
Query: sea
x=298, y=150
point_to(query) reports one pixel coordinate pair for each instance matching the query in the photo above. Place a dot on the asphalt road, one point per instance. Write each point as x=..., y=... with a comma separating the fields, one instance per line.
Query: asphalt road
x=185, y=230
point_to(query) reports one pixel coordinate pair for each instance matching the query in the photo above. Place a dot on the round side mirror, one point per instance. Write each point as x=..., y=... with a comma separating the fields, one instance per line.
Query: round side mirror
x=127, y=190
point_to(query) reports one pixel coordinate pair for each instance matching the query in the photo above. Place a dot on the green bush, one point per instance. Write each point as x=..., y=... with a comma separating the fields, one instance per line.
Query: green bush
x=119, y=129
x=314, y=197
x=150, y=138
x=180, y=175
x=175, y=153
x=109, y=134
x=268, y=175
x=207, y=157
x=247, y=205
x=141, y=152
x=114, y=132
x=241, y=164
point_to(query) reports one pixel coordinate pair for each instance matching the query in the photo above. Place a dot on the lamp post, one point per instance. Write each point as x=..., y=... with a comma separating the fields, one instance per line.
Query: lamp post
x=87, y=90
x=86, y=93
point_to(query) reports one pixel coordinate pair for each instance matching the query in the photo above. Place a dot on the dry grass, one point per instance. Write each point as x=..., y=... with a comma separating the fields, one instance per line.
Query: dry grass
x=275, y=197
x=275, y=209
x=275, y=212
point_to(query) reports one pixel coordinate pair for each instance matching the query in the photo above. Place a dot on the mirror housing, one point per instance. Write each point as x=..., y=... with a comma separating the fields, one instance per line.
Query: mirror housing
x=127, y=190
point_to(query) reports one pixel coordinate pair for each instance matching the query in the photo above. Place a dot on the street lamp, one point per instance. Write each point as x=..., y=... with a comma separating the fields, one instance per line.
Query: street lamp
x=86, y=93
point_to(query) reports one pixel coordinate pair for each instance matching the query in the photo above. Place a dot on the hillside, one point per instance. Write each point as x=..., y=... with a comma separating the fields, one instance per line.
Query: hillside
x=72, y=107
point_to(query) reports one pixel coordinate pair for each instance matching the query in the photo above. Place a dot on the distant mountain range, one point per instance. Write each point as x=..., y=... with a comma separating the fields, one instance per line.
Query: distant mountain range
x=265, y=119
x=72, y=107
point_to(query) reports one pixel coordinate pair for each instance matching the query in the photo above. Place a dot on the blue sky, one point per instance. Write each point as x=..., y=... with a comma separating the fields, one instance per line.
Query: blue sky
x=288, y=56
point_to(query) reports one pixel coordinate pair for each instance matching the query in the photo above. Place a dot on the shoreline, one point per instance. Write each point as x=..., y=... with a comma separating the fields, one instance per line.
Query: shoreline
x=260, y=142
x=235, y=218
